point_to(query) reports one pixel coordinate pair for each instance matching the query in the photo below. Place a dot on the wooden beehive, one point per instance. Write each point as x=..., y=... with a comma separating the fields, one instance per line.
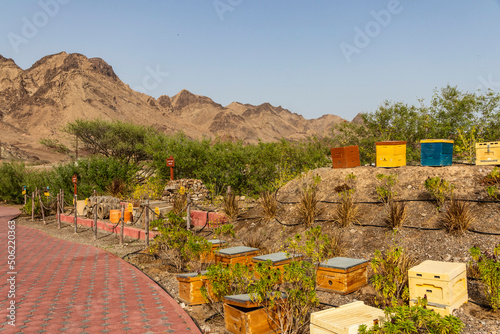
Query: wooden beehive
x=345, y=157
x=190, y=288
x=244, y=316
x=391, y=153
x=488, y=153
x=342, y=275
x=436, y=152
x=210, y=257
x=238, y=254
x=278, y=260
x=443, y=283
x=346, y=319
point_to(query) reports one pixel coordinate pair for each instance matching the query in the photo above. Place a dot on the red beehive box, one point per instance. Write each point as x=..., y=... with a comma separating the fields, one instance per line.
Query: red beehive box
x=345, y=157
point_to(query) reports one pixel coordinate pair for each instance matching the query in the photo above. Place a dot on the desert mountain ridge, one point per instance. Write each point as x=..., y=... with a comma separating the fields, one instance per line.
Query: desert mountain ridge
x=38, y=102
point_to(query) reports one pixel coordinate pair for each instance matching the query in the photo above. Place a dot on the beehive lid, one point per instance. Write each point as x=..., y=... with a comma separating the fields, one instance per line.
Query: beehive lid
x=342, y=263
x=437, y=270
x=190, y=275
x=490, y=144
x=245, y=300
x=217, y=241
x=237, y=250
x=347, y=318
x=275, y=257
x=391, y=142
x=423, y=141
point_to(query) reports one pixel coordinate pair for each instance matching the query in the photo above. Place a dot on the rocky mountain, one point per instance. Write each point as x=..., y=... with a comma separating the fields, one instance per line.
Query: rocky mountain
x=38, y=102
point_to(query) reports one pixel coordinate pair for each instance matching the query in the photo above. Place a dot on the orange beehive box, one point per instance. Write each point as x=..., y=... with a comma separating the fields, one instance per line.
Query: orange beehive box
x=190, y=288
x=216, y=244
x=346, y=319
x=342, y=275
x=345, y=157
x=244, y=316
x=238, y=254
x=278, y=260
x=443, y=283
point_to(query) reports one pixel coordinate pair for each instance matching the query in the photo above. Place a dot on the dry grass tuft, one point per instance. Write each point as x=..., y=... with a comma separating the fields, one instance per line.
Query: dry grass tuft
x=117, y=188
x=231, y=207
x=346, y=213
x=308, y=205
x=269, y=205
x=396, y=214
x=457, y=217
x=255, y=240
x=336, y=245
x=179, y=204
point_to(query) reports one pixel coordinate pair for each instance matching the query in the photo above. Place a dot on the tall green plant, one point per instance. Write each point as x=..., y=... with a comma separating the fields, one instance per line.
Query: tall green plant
x=488, y=265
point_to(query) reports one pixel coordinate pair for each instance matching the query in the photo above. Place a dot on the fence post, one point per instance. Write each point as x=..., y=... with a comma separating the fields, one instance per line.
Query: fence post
x=188, y=212
x=76, y=228
x=33, y=206
x=58, y=209
x=94, y=204
x=146, y=223
x=122, y=219
x=41, y=208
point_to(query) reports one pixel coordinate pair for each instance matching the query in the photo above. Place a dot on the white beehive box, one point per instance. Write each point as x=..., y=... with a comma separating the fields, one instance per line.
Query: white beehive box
x=444, y=284
x=346, y=319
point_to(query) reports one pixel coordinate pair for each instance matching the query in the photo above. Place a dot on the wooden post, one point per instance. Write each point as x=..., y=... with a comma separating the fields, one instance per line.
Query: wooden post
x=76, y=228
x=33, y=206
x=122, y=223
x=94, y=204
x=25, y=197
x=41, y=208
x=188, y=212
x=59, y=209
x=146, y=223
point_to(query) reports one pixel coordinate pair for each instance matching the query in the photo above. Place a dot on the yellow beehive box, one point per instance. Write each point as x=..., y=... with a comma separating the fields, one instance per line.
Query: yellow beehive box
x=345, y=319
x=443, y=283
x=391, y=153
x=488, y=153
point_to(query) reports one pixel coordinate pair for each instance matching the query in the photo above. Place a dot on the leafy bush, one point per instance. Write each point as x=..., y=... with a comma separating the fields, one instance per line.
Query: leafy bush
x=12, y=178
x=415, y=319
x=457, y=217
x=390, y=278
x=489, y=269
x=439, y=188
x=55, y=145
x=386, y=190
x=152, y=189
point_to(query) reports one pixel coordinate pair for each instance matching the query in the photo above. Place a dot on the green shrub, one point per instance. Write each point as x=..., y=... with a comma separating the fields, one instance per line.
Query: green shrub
x=390, y=278
x=386, y=190
x=489, y=269
x=12, y=179
x=55, y=145
x=415, y=319
x=439, y=188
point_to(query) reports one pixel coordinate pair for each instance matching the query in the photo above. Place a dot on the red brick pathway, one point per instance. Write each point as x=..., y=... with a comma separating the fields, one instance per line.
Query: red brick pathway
x=64, y=287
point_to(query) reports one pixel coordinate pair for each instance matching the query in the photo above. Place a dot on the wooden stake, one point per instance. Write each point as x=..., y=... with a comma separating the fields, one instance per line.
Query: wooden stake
x=146, y=224
x=188, y=212
x=95, y=215
x=122, y=225
x=76, y=227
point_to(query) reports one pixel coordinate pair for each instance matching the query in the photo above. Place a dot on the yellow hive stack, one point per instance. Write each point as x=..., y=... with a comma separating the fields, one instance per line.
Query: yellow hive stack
x=444, y=284
x=488, y=153
x=391, y=153
x=345, y=319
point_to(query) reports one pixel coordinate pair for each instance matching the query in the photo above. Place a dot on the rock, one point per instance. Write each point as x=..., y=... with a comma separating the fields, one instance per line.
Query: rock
x=183, y=305
x=423, y=214
x=447, y=257
x=352, y=230
x=409, y=186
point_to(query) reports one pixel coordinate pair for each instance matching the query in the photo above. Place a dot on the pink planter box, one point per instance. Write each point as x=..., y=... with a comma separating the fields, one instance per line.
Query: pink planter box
x=215, y=219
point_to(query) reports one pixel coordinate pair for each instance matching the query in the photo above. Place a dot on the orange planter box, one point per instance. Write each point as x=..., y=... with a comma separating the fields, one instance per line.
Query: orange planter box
x=345, y=157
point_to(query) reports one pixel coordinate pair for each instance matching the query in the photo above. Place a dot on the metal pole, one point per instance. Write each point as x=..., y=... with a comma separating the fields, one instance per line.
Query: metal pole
x=188, y=212
x=122, y=223
x=95, y=215
x=25, y=197
x=76, y=228
x=146, y=223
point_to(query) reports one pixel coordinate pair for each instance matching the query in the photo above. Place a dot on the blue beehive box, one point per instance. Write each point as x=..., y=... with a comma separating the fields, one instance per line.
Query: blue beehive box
x=436, y=152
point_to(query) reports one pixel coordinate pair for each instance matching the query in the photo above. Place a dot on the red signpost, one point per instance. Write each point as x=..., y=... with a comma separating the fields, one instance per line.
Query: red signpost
x=74, y=179
x=171, y=164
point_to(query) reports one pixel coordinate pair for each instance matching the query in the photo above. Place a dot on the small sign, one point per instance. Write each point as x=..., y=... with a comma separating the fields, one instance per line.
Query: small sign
x=86, y=201
x=74, y=179
x=24, y=192
x=130, y=207
x=47, y=194
x=170, y=162
x=182, y=190
x=157, y=211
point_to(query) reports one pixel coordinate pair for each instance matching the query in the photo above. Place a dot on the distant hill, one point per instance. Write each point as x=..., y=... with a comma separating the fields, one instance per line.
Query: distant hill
x=37, y=102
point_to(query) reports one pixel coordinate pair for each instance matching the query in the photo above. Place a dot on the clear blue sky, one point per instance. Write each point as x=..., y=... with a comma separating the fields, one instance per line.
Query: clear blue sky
x=307, y=56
